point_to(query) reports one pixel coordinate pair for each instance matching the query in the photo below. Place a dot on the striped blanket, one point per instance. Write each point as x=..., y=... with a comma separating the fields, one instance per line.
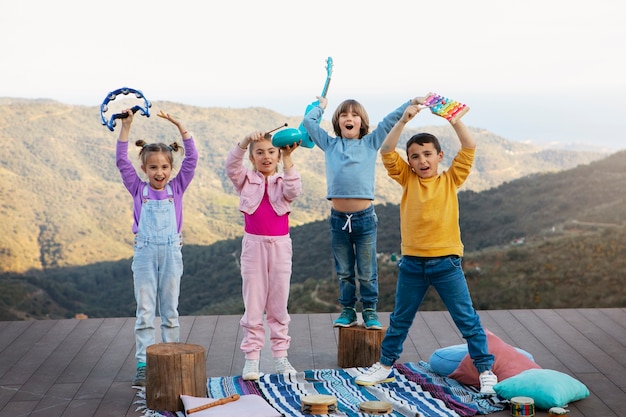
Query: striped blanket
x=417, y=391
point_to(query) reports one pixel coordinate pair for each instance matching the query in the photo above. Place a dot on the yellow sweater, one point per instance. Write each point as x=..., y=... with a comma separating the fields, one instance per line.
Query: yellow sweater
x=429, y=210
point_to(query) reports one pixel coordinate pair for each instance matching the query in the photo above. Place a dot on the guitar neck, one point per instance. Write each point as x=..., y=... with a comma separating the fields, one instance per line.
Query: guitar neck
x=329, y=70
x=325, y=89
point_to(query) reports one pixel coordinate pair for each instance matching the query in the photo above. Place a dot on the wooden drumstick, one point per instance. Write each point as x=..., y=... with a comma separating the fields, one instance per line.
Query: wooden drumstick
x=275, y=129
x=221, y=401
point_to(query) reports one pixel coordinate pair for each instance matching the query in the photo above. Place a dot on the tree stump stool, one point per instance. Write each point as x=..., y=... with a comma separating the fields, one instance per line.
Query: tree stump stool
x=359, y=346
x=173, y=369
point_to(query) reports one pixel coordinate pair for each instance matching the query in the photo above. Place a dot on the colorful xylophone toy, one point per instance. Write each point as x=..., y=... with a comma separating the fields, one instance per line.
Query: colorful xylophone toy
x=450, y=110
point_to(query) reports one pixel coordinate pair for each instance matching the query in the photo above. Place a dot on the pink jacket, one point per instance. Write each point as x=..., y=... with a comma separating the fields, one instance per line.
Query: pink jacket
x=282, y=188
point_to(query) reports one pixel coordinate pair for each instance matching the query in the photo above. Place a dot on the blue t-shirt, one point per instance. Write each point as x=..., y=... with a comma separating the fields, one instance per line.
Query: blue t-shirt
x=350, y=163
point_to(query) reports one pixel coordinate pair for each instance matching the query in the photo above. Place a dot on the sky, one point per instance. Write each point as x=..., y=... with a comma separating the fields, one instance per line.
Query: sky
x=549, y=72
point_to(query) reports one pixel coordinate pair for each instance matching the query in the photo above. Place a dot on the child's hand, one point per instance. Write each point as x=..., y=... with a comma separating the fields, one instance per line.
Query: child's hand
x=127, y=121
x=323, y=102
x=287, y=150
x=255, y=136
x=167, y=116
x=251, y=137
x=410, y=112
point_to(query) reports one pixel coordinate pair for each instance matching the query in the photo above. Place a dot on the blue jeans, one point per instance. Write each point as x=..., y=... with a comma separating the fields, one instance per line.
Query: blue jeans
x=353, y=241
x=415, y=276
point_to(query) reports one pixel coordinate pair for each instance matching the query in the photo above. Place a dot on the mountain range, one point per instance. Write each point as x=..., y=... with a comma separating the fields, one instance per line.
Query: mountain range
x=541, y=228
x=64, y=204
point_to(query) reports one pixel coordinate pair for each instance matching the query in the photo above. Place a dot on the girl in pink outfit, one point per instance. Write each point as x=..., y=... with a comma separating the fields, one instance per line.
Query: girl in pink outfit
x=265, y=201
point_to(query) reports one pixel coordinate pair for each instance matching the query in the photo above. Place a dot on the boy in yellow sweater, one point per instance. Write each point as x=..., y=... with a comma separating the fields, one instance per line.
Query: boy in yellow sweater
x=431, y=246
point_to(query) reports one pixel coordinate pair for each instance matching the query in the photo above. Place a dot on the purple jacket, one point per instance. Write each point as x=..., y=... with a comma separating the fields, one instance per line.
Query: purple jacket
x=135, y=185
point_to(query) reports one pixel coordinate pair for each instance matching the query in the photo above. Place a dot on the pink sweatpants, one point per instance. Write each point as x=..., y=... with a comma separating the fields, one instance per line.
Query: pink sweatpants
x=266, y=275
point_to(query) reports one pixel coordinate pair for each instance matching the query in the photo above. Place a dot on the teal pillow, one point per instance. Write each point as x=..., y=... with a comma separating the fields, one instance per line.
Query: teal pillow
x=548, y=388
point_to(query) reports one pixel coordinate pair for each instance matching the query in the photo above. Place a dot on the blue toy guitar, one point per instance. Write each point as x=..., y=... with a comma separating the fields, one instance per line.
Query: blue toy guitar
x=306, y=140
x=145, y=109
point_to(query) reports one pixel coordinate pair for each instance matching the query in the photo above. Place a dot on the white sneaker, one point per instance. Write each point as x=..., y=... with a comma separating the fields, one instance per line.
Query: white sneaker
x=377, y=374
x=487, y=380
x=251, y=370
x=283, y=366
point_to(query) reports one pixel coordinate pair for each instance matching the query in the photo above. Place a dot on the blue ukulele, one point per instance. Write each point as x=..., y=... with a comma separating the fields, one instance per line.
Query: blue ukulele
x=306, y=140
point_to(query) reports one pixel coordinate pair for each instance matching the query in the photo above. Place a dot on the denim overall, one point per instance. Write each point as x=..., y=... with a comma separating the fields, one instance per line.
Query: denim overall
x=157, y=270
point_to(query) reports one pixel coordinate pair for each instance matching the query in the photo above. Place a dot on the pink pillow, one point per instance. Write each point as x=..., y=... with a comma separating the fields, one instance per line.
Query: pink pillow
x=508, y=362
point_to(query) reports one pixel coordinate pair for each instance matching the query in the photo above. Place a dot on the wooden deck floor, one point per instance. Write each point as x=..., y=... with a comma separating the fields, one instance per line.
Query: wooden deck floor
x=83, y=368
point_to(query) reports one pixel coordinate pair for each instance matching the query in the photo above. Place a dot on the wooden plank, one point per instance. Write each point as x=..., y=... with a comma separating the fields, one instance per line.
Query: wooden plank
x=56, y=400
x=118, y=401
x=111, y=360
x=570, y=341
x=24, y=339
x=10, y=331
x=611, y=403
x=596, y=345
x=223, y=355
x=81, y=361
x=547, y=344
x=300, y=349
x=201, y=330
x=41, y=366
x=323, y=341
x=514, y=332
x=421, y=341
x=51, y=353
x=444, y=329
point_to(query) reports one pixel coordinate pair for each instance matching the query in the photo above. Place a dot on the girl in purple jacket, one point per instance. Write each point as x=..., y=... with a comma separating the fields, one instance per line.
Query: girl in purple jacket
x=265, y=201
x=158, y=218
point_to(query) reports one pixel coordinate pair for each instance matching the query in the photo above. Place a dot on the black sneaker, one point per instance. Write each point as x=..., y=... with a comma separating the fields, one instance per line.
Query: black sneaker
x=140, y=377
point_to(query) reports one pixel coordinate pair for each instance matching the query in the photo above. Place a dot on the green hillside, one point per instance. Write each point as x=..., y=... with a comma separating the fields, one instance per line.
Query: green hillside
x=64, y=205
x=554, y=240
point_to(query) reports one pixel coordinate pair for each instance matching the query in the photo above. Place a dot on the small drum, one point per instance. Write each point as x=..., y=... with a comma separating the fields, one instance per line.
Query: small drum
x=522, y=406
x=376, y=407
x=319, y=404
x=286, y=137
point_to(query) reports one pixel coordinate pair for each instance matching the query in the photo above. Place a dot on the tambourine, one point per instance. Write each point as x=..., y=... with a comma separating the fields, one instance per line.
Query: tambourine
x=145, y=109
x=319, y=404
x=557, y=411
x=376, y=407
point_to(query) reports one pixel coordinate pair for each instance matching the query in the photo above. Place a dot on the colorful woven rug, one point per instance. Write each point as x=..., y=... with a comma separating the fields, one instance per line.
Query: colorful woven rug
x=417, y=391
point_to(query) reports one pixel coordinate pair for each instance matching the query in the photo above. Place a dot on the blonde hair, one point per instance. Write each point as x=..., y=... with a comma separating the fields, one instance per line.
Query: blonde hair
x=267, y=137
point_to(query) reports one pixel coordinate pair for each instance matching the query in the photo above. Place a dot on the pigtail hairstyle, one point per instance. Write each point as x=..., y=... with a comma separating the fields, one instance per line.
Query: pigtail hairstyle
x=148, y=148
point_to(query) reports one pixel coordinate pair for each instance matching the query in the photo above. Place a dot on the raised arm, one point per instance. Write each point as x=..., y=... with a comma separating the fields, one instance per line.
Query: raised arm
x=184, y=133
x=126, y=122
x=466, y=139
x=391, y=141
